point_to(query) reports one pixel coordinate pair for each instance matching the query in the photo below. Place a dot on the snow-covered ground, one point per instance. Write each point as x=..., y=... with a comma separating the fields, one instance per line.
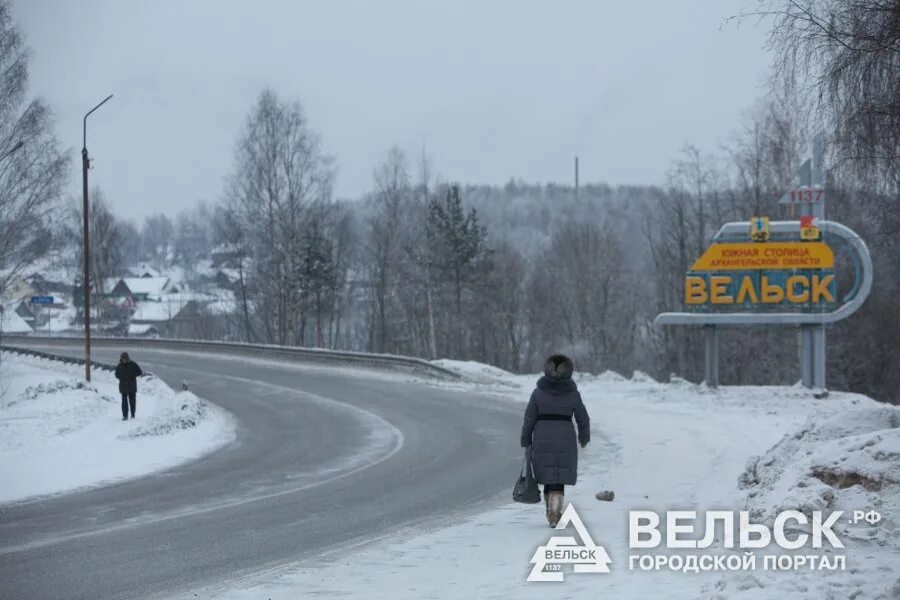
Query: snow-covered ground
x=58, y=433
x=659, y=447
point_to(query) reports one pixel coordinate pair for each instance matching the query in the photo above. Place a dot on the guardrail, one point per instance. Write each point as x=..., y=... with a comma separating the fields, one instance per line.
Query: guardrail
x=406, y=364
x=66, y=359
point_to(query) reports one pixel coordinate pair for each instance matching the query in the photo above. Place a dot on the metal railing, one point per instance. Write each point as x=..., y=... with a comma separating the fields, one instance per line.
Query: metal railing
x=406, y=364
x=50, y=356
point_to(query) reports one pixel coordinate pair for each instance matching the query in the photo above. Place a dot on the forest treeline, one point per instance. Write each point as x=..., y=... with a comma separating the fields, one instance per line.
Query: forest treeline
x=508, y=274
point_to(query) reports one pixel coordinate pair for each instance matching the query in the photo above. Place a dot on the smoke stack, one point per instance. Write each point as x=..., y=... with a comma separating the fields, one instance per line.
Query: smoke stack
x=576, y=177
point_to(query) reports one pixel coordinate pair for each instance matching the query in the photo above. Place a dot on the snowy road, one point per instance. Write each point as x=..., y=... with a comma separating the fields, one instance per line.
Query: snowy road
x=325, y=459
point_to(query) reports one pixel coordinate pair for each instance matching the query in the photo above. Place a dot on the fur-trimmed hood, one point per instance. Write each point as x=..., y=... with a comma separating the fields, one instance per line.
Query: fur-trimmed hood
x=556, y=386
x=559, y=366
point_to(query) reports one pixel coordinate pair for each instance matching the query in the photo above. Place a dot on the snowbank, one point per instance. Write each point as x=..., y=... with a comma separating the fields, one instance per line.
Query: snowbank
x=59, y=433
x=847, y=460
x=11, y=322
x=476, y=372
x=659, y=447
x=844, y=461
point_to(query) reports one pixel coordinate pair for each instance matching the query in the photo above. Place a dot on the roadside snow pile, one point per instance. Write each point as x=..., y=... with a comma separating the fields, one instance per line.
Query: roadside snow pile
x=849, y=461
x=476, y=372
x=641, y=377
x=52, y=387
x=604, y=377
x=59, y=433
x=845, y=461
x=32, y=413
x=183, y=411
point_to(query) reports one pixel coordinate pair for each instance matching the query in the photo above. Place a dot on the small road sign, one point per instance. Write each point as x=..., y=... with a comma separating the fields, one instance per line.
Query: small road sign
x=809, y=228
x=42, y=299
x=759, y=229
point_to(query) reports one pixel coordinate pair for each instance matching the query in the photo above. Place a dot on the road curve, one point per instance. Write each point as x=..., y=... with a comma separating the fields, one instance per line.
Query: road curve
x=324, y=459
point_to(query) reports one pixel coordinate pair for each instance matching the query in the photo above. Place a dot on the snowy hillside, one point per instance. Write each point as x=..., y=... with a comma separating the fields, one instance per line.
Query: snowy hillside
x=659, y=447
x=59, y=433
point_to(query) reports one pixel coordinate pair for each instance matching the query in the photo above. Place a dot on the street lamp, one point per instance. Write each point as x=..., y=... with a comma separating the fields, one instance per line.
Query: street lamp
x=86, y=250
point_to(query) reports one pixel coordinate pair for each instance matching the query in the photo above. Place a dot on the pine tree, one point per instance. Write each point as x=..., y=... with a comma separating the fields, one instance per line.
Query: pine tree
x=458, y=250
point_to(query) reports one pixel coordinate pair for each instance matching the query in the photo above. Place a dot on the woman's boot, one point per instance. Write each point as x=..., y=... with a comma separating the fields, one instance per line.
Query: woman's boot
x=547, y=505
x=555, y=508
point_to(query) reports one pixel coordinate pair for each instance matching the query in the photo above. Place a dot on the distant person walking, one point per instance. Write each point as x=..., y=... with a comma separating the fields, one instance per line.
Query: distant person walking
x=548, y=429
x=127, y=372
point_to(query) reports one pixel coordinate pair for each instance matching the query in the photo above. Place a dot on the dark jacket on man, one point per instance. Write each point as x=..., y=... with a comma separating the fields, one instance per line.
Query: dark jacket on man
x=127, y=374
x=548, y=428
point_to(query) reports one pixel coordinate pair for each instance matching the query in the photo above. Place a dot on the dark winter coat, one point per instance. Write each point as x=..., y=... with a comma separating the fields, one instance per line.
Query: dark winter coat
x=127, y=374
x=554, y=454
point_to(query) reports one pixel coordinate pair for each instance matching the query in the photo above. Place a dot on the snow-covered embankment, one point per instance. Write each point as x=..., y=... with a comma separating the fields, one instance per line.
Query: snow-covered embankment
x=59, y=433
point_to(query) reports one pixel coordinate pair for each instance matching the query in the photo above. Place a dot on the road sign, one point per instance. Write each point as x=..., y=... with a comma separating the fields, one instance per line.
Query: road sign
x=810, y=234
x=803, y=195
x=42, y=299
x=761, y=291
x=759, y=229
x=809, y=228
x=731, y=289
x=772, y=255
x=726, y=286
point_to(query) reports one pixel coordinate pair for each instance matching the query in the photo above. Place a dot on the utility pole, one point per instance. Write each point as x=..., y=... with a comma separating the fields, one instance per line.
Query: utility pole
x=86, y=252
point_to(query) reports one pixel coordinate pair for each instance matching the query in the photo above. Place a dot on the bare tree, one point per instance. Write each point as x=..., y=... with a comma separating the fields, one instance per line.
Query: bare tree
x=234, y=234
x=385, y=245
x=157, y=240
x=32, y=168
x=425, y=175
x=764, y=155
x=504, y=309
x=592, y=310
x=847, y=53
x=280, y=174
x=106, y=251
x=344, y=241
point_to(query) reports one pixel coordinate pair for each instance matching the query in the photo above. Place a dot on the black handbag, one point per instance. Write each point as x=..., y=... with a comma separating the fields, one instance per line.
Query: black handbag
x=526, y=489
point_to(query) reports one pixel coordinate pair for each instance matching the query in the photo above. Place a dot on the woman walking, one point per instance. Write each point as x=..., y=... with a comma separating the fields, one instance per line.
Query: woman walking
x=548, y=429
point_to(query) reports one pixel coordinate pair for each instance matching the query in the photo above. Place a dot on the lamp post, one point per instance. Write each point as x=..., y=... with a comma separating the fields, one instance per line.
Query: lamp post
x=86, y=249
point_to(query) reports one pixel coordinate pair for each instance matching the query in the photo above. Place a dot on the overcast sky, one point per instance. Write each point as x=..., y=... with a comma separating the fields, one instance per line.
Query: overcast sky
x=491, y=89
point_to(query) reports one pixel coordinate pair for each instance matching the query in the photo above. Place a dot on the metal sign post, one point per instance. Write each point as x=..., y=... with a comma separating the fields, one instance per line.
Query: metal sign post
x=816, y=335
x=711, y=355
x=810, y=202
x=45, y=301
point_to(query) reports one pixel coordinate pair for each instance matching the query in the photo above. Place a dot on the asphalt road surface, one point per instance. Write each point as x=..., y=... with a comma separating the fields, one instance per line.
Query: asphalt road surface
x=324, y=459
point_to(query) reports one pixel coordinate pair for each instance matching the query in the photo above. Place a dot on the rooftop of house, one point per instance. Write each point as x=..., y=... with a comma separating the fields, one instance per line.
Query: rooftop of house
x=159, y=312
x=148, y=286
x=11, y=322
x=144, y=270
